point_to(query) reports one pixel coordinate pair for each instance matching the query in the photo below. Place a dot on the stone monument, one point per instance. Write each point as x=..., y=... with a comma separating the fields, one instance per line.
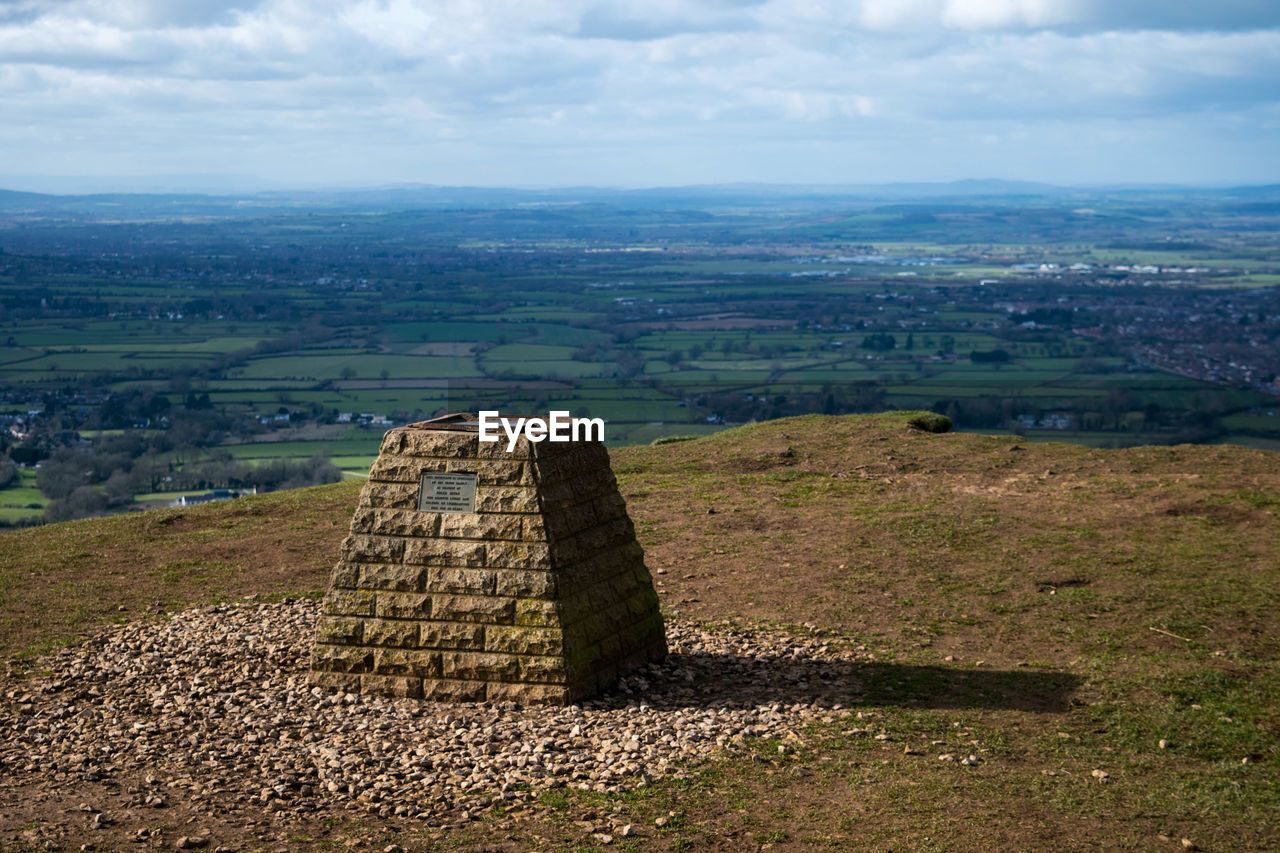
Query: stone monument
x=474, y=573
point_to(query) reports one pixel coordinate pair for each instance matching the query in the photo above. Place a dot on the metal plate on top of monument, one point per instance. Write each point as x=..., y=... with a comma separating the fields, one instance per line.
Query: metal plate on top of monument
x=443, y=492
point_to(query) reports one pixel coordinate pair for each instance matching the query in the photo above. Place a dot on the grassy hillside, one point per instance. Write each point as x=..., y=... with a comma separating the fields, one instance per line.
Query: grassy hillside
x=1059, y=609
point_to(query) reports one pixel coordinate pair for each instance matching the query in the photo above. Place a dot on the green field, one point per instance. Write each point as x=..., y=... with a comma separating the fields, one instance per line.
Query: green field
x=22, y=500
x=268, y=335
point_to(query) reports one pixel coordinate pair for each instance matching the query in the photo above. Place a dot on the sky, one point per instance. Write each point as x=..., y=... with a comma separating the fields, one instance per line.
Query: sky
x=207, y=94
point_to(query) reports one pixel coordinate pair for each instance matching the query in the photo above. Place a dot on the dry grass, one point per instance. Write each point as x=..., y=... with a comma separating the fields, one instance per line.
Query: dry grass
x=1066, y=607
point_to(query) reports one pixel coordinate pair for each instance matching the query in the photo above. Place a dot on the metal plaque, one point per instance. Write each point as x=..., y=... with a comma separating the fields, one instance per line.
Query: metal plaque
x=443, y=492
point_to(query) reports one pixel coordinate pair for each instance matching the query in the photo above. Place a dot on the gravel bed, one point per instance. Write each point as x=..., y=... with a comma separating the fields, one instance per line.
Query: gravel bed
x=213, y=705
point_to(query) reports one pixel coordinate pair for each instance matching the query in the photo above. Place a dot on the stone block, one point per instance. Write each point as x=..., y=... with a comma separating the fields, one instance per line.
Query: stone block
x=390, y=632
x=573, y=608
x=488, y=526
x=391, y=495
x=339, y=630
x=463, y=581
x=536, y=613
x=518, y=555
x=609, y=506
x=524, y=640
x=479, y=666
x=644, y=634
x=610, y=647
x=341, y=659
x=643, y=600
x=534, y=528
x=571, y=519
x=571, y=462
x=402, y=469
x=581, y=661
x=441, y=690
x=498, y=449
x=404, y=605
x=398, y=687
x=474, y=608
x=494, y=472
x=395, y=522
x=444, y=552
x=506, y=499
x=412, y=663
x=557, y=495
x=421, y=442
x=363, y=548
x=527, y=694
x=489, y=472
x=600, y=599
x=392, y=442
x=603, y=537
x=525, y=583
x=451, y=635
x=395, y=578
x=348, y=602
x=544, y=670
x=344, y=575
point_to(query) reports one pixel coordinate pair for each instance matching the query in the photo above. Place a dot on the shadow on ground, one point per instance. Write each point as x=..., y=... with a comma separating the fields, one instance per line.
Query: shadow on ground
x=732, y=681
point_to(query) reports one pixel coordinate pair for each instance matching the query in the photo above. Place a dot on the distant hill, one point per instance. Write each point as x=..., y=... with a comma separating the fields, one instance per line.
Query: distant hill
x=244, y=203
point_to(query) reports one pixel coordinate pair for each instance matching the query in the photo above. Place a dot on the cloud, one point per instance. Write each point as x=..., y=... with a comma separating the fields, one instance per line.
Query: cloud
x=657, y=19
x=658, y=86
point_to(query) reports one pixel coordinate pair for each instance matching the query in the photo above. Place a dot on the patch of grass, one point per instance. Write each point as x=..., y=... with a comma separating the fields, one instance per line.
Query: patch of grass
x=62, y=581
x=1051, y=610
x=930, y=422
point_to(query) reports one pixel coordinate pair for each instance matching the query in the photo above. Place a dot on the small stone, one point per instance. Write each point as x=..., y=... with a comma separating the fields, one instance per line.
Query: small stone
x=190, y=842
x=1100, y=775
x=1165, y=744
x=660, y=821
x=946, y=757
x=1188, y=844
x=627, y=831
x=602, y=838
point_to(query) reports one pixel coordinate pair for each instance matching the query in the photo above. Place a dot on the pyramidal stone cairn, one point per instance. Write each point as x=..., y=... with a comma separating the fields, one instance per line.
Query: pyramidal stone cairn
x=473, y=573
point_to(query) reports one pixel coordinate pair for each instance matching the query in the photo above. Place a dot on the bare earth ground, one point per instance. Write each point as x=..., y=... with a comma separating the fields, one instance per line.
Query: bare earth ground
x=1055, y=611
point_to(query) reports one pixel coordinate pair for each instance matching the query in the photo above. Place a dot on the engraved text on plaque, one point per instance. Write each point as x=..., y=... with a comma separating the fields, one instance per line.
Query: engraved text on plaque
x=443, y=492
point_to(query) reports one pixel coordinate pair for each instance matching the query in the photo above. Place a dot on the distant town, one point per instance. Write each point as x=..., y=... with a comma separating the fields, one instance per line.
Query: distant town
x=182, y=354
